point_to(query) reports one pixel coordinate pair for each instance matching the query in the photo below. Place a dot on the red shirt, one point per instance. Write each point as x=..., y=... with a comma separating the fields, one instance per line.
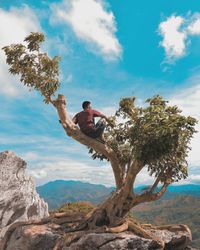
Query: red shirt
x=85, y=119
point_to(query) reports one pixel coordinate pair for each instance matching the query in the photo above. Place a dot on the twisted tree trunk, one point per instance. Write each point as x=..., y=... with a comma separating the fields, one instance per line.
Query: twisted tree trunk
x=111, y=214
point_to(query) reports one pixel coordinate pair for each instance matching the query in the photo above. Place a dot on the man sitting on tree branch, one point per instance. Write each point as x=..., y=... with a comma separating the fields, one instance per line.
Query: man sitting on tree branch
x=86, y=122
x=156, y=136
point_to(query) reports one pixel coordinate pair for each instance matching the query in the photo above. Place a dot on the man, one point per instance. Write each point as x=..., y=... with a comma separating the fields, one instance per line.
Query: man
x=86, y=123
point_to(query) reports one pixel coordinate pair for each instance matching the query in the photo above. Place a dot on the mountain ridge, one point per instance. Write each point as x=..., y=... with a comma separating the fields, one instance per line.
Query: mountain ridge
x=58, y=192
x=180, y=204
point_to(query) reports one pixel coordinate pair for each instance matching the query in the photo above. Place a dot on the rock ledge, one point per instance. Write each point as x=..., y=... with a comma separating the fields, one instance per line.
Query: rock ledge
x=19, y=200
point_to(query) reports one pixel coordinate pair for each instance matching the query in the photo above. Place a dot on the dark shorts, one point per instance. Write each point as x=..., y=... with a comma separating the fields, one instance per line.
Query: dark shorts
x=98, y=129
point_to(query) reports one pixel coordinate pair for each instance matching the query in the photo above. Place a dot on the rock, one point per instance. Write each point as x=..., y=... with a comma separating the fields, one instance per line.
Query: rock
x=30, y=237
x=19, y=200
x=121, y=241
x=48, y=235
x=26, y=225
x=177, y=239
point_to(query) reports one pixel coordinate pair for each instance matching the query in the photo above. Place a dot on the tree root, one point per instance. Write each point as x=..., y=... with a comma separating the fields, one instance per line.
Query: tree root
x=73, y=229
x=72, y=237
x=119, y=229
x=133, y=226
x=127, y=224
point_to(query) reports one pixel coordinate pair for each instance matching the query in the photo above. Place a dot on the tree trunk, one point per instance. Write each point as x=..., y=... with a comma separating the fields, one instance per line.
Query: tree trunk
x=111, y=212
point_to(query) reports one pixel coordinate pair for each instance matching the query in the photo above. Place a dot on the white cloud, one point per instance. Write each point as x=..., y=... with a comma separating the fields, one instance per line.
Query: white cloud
x=194, y=26
x=15, y=24
x=194, y=179
x=173, y=37
x=108, y=111
x=189, y=101
x=92, y=23
x=69, y=169
x=177, y=32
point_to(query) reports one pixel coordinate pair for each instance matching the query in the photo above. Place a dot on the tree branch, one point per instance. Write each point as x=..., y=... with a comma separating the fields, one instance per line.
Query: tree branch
x=149, y=196
x=155, y=184
x=134, y=168
x=73, y=131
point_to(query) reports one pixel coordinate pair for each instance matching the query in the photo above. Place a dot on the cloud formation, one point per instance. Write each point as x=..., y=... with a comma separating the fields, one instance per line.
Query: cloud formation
x=173, y=38
x=69, y=169
x=189, y=101
x=93, y=23
x=177, y=32
x=194, y=26
x=15, y=24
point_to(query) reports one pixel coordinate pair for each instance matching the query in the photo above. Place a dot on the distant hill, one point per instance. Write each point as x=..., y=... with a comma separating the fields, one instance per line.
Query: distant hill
x=180, y=204
x=189, y=189
x=58, y=192
x=183, y=209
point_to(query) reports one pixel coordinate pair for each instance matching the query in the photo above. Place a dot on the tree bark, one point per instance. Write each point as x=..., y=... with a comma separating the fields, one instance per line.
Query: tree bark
x=111, y=212
x=72, y=130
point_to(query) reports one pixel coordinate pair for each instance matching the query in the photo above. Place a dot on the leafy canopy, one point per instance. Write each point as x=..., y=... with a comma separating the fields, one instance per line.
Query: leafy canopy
x=36, y=69
x=157, y=135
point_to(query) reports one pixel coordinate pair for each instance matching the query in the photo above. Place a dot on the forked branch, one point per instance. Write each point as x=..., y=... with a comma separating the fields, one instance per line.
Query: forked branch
x=73, y=131
x=149, y=196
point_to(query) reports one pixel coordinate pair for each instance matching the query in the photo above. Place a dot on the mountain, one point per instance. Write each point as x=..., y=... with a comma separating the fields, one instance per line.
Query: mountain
x=58, y=192
x=189, y=189
x=183, y=209
x=180, y=204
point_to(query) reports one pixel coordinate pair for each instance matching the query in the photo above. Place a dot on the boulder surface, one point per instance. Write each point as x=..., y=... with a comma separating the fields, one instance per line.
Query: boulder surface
x=50, y=234
x=25, y=223
x=19, y=200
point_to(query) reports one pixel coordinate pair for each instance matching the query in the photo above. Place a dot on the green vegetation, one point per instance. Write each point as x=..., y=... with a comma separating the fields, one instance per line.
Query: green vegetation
x=178, y=210
x=59, y=192
x=82, y=207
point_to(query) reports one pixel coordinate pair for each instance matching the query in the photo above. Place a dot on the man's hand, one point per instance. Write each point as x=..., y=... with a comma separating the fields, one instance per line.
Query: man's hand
x=111, y=121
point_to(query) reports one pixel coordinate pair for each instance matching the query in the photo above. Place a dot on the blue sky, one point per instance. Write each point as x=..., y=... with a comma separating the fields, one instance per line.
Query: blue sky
x=109, y=49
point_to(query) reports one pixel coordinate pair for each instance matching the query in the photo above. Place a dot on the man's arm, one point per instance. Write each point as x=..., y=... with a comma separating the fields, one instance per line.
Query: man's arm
x=105, y=117
x=74, y=119
x=98, y=114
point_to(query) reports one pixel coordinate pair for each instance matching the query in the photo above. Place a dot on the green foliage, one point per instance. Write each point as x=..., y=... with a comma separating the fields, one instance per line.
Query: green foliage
x=74, y=207
x=176, y=209
x=36, y=69
x=157, y=135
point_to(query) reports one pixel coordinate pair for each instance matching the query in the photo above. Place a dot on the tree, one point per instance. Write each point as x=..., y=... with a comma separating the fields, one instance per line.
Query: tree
x=155, y=136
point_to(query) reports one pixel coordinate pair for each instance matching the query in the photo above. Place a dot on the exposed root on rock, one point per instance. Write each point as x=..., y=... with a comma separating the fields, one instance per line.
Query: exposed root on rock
x=133, y=226
x=72, y=229
x=128, y=224
x=118, y=229
x=72, y=237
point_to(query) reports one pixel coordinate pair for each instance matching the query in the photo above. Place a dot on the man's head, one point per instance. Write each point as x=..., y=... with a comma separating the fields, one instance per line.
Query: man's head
x=86, y=105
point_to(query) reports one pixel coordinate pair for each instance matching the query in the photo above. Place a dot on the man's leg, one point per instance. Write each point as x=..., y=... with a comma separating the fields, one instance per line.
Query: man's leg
x=97, y=132
x=99, y=128
x=101, y=123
